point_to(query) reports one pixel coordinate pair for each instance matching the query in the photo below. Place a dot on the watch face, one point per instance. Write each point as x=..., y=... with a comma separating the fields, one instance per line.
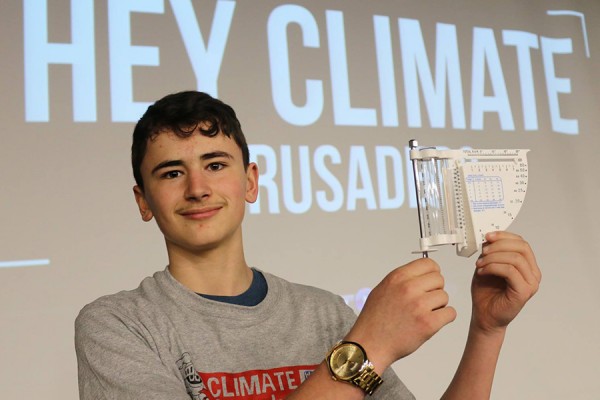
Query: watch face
x=346, y=361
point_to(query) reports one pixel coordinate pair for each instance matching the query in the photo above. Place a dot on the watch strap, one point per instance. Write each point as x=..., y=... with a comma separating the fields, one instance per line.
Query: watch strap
x=368, y=380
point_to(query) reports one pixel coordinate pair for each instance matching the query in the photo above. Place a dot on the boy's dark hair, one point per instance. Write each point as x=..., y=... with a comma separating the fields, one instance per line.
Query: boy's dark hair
x=183, y=113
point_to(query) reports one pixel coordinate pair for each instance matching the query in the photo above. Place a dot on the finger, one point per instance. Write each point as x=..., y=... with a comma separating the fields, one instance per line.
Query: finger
x=506, y=244
x=435, y=320
x=510, y=258
x=435, y=300
x=427, y=283
x=512, y=277
x=499, y=235
x=419, y=267
x=530, y=255
x=506, y=241
x=443, y=316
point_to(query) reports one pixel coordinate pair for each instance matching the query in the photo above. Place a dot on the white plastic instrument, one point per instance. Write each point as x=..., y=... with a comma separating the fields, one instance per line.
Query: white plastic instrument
x=464, y=194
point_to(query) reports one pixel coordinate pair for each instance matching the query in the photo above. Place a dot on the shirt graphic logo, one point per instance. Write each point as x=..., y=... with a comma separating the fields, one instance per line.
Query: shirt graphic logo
x=193, y=383
x=272, y=384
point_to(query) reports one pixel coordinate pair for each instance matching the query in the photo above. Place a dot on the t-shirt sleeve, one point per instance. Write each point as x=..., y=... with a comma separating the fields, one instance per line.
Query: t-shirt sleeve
x=117, y=360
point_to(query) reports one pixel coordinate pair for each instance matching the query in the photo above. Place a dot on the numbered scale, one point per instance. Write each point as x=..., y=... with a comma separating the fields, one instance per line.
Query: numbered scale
x=464, y=194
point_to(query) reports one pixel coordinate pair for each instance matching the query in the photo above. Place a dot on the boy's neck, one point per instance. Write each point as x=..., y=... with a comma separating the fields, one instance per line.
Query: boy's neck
x=211, y=272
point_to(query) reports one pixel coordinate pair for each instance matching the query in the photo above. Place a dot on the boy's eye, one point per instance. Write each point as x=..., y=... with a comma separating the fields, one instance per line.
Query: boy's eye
x=171, y=174
x=216, y=166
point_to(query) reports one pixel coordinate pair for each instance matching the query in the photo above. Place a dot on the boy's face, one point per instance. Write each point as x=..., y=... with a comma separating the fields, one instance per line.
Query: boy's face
x=196, y=188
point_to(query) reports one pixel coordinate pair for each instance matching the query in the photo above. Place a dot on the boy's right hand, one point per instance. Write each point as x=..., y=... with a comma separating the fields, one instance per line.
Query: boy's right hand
x=406, y=309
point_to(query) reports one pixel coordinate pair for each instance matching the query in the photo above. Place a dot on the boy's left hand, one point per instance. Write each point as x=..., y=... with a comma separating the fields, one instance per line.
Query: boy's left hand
x=506, y=277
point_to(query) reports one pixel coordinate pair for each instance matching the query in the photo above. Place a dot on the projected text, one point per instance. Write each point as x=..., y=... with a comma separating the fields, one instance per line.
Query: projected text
x=438, y=83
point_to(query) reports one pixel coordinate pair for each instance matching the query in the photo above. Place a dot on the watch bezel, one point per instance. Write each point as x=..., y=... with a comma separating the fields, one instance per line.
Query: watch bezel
x=340, y=347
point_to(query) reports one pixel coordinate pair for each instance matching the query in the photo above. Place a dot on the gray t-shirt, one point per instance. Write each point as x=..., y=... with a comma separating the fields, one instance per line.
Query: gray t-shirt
x=163, y=341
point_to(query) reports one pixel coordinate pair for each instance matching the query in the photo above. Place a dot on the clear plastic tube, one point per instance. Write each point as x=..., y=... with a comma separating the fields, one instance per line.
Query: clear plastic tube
x=436, y=206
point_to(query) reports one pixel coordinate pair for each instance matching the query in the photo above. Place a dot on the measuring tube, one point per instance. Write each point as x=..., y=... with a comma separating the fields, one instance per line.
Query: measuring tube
x=413, y=144
x=434, y=185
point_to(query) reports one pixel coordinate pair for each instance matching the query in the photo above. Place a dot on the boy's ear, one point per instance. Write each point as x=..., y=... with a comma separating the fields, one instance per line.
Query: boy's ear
x=252, y=183
x=140, y=199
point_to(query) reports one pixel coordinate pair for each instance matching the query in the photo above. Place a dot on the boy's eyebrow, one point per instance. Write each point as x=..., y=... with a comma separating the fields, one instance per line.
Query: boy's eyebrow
x=215, y=154
x=167, y=164
x=178, y=163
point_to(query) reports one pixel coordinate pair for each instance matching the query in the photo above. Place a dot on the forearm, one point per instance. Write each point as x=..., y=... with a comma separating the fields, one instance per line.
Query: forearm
x=475, y=373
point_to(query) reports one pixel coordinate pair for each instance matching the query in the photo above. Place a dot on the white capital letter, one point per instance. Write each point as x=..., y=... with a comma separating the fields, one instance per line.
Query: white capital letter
x=485, y=53
x=555, y=85
x=266, y=179
x=343, y=112
x=279, y=59
x=385, y=69
x=358, y=169
x=39, y=54
x=524, y=41
x=416, y=69
x=123, y=56
x=206, y=59
x=288, y=179
x=337, y=200
x=382, y=153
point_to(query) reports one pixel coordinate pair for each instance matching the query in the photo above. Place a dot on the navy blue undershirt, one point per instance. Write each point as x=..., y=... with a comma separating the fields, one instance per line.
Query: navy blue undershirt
x=251, y=297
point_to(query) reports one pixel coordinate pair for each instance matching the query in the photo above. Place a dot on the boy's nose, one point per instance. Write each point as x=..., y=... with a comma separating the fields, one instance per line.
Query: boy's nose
x=197, y=187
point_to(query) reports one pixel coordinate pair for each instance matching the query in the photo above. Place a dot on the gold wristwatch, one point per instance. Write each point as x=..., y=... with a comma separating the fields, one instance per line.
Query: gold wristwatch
x=348, y=362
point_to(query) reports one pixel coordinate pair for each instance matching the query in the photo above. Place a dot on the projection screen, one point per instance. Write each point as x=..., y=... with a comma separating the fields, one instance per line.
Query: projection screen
x=329, y=93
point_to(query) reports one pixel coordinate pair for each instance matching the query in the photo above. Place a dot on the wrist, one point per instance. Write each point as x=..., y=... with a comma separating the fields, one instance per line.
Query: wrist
x=378, y=355
x=487, y=333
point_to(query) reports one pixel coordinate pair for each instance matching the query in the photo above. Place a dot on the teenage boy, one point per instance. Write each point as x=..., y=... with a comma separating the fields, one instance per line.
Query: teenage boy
x=210, y=327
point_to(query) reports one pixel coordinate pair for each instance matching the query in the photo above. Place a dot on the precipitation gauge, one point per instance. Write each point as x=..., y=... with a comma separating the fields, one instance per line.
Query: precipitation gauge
x=464, y=194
